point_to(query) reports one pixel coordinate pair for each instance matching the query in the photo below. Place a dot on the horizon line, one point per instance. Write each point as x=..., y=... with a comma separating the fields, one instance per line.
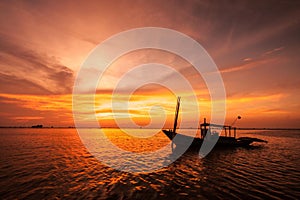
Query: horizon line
x=73, y=127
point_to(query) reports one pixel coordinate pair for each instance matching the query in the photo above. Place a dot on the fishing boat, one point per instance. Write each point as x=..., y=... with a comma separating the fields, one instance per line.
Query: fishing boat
x=210, y=133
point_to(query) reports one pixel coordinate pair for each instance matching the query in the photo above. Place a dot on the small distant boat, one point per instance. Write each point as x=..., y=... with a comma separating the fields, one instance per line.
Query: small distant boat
x=227, y=141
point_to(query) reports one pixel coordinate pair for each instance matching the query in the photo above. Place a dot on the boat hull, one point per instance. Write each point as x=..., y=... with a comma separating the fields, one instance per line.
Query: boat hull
x=222, y=142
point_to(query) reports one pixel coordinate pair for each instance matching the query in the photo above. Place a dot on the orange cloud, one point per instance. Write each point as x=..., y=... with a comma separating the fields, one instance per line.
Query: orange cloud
x=250, y=64
x=40, y=102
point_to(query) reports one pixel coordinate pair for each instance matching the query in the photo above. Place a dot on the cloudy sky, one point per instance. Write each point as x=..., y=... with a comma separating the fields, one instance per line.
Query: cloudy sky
x=255, y=45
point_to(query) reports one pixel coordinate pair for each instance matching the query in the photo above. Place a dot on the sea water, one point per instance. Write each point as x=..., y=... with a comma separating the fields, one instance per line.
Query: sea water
x=54, y=164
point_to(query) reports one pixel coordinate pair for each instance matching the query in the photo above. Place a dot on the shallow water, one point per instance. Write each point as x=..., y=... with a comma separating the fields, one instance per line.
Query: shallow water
x=54, y=164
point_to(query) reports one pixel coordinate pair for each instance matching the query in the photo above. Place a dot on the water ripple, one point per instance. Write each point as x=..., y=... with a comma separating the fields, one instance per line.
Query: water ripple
x=53, y=164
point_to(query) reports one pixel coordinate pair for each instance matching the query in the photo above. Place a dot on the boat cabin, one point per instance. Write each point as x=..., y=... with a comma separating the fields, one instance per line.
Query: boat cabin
x=204, y=127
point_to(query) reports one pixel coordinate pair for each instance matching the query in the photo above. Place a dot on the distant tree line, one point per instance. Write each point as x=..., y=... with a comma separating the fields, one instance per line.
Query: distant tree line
x=37, y=126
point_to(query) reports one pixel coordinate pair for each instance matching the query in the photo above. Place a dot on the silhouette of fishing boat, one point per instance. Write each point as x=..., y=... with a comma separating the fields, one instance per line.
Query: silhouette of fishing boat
x=210, y=133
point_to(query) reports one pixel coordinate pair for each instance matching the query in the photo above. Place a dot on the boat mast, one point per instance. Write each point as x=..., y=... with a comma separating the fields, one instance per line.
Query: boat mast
x=176, y=115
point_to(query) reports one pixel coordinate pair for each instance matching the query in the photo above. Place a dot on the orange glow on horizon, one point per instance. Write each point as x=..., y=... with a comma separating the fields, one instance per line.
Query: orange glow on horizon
x=59, y=107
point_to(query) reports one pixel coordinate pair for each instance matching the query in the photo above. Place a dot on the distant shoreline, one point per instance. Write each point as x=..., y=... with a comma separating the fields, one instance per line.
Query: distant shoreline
x=274, y=129
x=71, y=127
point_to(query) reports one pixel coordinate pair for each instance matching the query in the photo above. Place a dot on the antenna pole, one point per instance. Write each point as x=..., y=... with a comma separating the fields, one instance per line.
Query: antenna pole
x=238, y=117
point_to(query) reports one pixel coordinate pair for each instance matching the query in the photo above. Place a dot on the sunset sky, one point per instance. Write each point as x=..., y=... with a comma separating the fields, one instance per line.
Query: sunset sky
x=255, y=45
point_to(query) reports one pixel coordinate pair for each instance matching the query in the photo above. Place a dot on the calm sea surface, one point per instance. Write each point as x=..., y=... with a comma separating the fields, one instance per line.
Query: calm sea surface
x=54, y=164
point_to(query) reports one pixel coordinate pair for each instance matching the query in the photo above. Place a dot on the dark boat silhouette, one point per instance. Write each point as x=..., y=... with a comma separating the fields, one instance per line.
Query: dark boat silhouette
x=209, y=135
